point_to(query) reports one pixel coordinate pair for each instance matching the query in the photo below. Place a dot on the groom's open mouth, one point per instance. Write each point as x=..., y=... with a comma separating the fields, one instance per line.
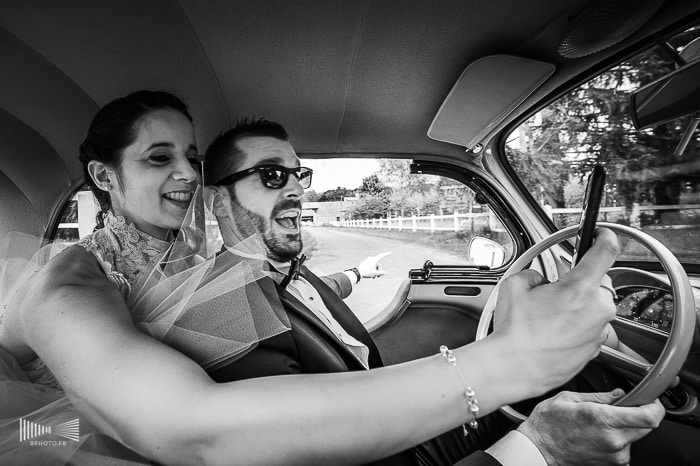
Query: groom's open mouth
x=179, y=198
x=289, y=219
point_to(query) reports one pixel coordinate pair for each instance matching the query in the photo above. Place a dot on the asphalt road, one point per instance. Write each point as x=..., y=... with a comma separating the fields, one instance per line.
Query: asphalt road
x=340, y=250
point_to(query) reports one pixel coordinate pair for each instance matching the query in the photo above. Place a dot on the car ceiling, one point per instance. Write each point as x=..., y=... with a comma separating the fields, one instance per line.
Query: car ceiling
x=347, y=78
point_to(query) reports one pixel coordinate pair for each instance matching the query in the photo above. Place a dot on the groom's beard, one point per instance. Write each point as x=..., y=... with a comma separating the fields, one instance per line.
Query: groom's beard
x=281, y=246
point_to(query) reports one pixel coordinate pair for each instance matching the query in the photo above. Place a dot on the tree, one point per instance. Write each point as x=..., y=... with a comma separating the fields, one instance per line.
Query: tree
x=372, y=185
x=310, y=196
x=396, y=173
x=374, y=199
x=370, y=207
x=336, y=194
x=70, y=212
x=406, y=203
x=410, y=193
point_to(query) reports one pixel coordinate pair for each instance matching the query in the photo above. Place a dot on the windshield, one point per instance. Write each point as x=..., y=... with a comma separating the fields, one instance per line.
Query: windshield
x=651, y=184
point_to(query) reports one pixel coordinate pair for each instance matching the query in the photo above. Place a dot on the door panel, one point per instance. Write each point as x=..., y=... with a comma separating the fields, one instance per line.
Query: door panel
x=433, y=318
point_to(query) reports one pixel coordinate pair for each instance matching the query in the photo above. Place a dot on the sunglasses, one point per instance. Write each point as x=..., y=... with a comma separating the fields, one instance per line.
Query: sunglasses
x=272, y=176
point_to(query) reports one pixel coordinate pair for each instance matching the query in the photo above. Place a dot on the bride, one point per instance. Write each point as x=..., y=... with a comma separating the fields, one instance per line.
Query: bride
x=85, y=330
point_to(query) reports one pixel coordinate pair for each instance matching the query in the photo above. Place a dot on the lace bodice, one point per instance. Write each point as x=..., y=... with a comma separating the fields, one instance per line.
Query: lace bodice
x=123, y=252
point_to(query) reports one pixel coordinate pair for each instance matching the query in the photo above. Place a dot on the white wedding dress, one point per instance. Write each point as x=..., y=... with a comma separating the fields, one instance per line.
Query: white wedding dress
x=208, y=306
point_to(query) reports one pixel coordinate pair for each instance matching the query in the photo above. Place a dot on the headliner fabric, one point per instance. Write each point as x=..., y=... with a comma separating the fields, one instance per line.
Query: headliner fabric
x=16, y=213
x=347, y=78
x=32, y=166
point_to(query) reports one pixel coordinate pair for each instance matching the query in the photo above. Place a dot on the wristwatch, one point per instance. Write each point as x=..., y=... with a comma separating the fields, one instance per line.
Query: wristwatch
x=356, y=272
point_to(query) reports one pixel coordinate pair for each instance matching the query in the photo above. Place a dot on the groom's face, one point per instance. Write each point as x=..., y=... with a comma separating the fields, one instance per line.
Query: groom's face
x=276, y=213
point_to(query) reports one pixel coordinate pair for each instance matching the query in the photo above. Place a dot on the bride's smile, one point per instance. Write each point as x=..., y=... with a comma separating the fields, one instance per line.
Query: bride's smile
x=158, y=174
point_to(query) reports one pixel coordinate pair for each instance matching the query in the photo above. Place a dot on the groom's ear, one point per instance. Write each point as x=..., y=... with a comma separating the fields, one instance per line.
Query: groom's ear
x=101, y=175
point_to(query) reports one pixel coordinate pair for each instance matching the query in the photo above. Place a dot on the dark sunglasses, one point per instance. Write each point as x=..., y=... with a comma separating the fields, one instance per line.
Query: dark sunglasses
x=272, y=176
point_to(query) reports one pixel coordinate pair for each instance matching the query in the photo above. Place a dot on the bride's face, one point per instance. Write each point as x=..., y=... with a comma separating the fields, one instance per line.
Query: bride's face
x=158, y=174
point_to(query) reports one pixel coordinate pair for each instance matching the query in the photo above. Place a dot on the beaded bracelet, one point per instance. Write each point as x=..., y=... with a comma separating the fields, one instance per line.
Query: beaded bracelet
x=469, y=394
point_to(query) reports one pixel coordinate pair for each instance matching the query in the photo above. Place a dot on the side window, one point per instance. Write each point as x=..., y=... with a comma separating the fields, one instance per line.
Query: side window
x=357, y=208
x=77, y=218
x=76, y=221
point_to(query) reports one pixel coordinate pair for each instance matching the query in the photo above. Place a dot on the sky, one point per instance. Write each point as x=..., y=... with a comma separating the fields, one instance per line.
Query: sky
x=334, y=173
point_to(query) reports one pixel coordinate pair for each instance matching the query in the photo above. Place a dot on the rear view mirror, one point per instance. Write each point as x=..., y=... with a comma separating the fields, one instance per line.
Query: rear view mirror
x=673, y=96
x=483, y=251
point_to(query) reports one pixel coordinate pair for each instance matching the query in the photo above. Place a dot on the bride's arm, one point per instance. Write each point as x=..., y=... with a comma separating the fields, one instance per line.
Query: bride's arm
x=164, y=405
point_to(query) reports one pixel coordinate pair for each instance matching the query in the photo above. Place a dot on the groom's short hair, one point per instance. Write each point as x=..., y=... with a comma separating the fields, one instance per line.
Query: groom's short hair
x=223, y=155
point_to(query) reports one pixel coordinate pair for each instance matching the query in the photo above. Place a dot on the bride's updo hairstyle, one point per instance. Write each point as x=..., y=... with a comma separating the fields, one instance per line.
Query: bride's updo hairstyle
x=114, y=128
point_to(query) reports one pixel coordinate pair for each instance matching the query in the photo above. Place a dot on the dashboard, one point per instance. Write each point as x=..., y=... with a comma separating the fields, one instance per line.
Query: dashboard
x=645, y=299
x=646, y=305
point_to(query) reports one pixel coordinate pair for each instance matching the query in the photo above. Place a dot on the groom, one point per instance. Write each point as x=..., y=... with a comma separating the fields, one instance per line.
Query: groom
x=261, y=172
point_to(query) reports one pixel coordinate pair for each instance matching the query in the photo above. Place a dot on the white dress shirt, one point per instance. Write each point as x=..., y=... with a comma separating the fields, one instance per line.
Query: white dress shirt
x=301, y=289
x=515, y=449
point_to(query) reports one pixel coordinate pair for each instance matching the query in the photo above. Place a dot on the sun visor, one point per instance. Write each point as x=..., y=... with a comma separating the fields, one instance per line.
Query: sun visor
x=486, y=93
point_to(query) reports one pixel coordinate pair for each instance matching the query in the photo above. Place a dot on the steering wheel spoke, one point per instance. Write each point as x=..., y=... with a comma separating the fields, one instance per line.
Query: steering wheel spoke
x=624, y=362
x=629, y=366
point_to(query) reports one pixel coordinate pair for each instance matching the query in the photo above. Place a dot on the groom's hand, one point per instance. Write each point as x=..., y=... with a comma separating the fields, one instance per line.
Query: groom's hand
x=576, y=429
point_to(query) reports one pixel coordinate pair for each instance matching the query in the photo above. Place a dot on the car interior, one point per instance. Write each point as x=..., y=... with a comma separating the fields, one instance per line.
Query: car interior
x=469, y=90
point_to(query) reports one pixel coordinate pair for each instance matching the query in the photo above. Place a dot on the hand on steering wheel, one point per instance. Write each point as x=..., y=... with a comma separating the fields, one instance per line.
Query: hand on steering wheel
x=655, y=378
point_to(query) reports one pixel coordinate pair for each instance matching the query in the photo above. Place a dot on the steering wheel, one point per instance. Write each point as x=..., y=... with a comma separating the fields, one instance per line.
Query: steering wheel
x=655, y=378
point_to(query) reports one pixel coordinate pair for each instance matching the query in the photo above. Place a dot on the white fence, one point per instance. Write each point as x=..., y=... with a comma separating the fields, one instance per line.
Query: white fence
x=431, y=223
x=687, y=214
x=467, y=221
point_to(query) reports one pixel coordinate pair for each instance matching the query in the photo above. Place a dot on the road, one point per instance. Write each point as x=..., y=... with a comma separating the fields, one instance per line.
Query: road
x=340, y=250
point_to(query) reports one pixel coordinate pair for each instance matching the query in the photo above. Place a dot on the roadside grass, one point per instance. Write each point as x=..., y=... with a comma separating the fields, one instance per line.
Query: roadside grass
x=443, y=240
x=683, y=241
